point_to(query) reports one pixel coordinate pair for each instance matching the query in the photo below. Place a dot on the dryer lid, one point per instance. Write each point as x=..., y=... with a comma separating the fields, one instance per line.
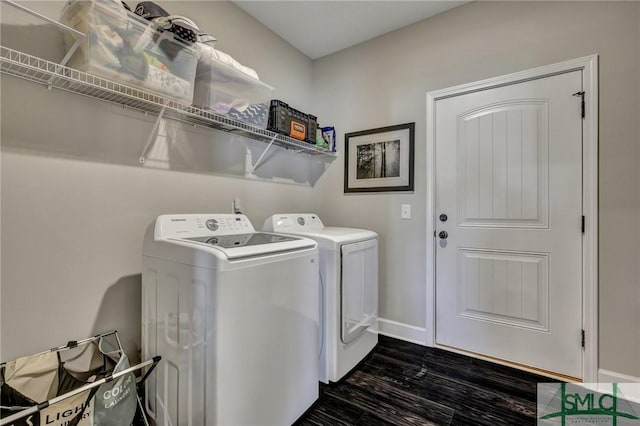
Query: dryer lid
x=309, y=225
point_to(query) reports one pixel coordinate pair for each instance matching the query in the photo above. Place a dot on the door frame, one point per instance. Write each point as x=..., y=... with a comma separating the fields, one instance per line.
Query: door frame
x=589, y=67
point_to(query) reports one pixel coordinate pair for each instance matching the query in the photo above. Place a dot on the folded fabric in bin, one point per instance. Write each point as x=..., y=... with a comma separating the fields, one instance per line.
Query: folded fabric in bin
x=227, y=59
x=157, y=79
x=253, y=114
x=209, y=53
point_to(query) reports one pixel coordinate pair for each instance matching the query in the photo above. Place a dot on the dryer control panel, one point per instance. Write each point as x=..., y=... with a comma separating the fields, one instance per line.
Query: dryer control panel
x=294, y=222
x=199, y=225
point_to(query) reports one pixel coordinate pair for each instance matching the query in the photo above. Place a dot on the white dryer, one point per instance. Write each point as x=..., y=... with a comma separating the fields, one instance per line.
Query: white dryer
x=349, y=283
x=234, y=314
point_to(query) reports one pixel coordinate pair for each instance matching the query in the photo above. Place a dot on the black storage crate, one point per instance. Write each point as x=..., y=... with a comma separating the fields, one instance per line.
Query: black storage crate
x=291, y=122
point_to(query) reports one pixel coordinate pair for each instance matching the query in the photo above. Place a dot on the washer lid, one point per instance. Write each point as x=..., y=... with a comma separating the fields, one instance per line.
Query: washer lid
x=233, y=235
x=253, y=244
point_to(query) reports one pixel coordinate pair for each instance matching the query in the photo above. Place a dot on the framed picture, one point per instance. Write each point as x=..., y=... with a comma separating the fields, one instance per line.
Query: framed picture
x=380, y=159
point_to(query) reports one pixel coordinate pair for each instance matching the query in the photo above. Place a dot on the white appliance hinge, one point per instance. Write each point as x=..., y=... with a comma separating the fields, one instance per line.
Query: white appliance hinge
x=581, y=94
x=582, y=338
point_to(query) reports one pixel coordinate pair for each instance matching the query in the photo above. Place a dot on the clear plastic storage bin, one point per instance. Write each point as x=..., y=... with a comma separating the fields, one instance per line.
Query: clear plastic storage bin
x=124, y=47
x=230, y=92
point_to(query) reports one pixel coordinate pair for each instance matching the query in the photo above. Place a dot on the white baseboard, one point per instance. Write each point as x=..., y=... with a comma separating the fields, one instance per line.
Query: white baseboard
x=607, y=376
x=401, y=331
x=630, y=391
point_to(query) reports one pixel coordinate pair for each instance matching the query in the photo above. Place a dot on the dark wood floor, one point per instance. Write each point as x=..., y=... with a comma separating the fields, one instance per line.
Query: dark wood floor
x=402, y=383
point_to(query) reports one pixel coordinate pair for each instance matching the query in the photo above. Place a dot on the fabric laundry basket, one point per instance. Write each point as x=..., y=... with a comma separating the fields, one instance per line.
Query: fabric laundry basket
x=85, y=383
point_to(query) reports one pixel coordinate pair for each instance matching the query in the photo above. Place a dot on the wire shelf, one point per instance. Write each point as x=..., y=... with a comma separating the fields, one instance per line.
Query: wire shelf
x=32, y=68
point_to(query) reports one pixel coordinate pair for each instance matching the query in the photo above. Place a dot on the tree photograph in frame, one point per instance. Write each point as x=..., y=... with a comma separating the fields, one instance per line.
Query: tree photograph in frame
x=378, y=160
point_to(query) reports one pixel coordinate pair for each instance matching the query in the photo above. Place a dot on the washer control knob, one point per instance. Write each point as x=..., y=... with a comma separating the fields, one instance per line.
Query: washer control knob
x=212, y=224
x=301, y=221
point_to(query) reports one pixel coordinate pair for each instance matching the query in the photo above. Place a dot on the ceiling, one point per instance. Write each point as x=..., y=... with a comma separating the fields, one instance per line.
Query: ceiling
x=318, y=28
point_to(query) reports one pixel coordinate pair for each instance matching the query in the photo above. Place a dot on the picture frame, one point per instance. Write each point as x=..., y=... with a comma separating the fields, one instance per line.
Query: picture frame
x=379, y=160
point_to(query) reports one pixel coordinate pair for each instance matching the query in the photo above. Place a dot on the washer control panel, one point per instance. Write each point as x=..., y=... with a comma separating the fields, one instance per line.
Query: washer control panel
x=198, y=225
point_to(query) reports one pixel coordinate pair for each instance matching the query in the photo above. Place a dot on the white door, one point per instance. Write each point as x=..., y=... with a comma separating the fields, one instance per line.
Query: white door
x=509, y=179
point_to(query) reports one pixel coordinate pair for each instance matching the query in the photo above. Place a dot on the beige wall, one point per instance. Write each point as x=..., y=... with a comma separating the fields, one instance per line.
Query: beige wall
x=384, y=82
x=75, y=202
x=638, y=120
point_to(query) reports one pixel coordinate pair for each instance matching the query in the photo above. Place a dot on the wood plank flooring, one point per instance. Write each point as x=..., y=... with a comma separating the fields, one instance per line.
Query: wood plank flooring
x=402, y=383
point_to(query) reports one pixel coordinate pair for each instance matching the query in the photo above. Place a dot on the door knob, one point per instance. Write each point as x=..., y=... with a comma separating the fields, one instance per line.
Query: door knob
x=443, y=235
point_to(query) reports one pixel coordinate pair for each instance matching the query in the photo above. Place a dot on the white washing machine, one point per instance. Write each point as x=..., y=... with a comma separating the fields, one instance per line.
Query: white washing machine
x=234, y=314
x=349, y=283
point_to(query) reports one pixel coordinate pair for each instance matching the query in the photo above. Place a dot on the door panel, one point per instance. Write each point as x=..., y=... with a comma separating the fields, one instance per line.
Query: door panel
x=359, y=288
x=509, y=177
x=499, y=183
x=507, y=288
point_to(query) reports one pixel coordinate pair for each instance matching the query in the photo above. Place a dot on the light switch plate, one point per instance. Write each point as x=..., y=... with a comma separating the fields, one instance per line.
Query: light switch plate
x=405, y=211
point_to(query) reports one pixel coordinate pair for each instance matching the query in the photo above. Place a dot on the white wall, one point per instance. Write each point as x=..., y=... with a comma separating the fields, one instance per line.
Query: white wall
x=384, y=81
x=75, y=202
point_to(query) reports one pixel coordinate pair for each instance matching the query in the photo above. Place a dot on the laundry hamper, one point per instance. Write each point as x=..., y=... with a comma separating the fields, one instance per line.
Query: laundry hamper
x=83, y=383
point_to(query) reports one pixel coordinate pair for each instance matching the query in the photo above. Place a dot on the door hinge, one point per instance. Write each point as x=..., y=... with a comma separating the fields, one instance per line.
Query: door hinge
x=581, y=94
x=582, y=338
x=583, y=224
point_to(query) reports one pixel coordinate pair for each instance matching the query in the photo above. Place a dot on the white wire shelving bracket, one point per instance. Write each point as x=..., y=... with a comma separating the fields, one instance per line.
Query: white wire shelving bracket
x=259, y=160
x=152, y=136
x=51, y=74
